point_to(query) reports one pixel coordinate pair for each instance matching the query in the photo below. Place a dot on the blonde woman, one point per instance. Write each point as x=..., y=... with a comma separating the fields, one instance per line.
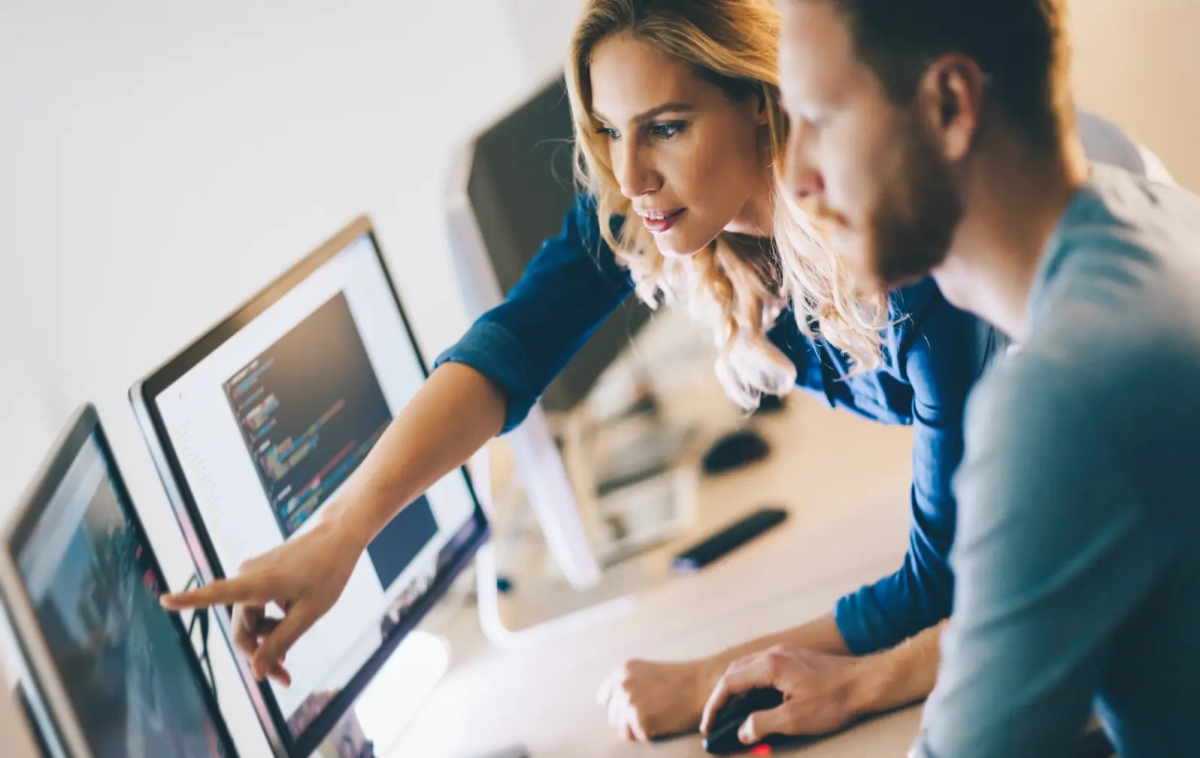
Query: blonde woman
x=680, y=136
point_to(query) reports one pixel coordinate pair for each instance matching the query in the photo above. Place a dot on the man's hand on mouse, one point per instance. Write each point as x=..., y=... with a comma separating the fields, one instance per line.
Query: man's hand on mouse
x=822, y=692
x=646, y=699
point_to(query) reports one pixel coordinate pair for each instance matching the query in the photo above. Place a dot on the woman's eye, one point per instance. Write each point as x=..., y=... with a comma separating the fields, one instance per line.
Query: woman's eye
x=606, y=131
x=666, y=131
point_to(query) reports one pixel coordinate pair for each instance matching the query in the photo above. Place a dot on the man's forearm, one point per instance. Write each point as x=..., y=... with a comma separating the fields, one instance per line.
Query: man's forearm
x=820, y=634
x=900, y=676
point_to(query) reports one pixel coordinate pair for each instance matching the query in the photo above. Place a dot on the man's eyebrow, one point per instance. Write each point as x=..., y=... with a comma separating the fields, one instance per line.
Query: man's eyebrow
x=651, y=114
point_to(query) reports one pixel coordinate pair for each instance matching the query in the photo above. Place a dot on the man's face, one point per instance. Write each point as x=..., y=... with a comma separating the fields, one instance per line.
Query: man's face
x=868, y=170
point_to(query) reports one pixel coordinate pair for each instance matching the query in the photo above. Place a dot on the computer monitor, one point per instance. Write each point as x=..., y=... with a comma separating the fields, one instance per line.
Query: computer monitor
x=518, y=186
x=114, y=672
x=255, y=428
x=509, y=192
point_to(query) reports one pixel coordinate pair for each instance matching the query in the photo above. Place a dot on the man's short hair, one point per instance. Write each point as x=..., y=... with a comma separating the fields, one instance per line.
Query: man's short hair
x=1022, y=45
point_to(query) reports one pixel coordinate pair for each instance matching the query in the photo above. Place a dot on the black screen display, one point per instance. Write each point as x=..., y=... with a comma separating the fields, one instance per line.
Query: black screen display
x=123, y=661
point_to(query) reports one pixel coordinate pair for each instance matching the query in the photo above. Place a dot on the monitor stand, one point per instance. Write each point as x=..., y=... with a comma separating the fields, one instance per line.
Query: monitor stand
x=488, y=582
x=632, y=493
x=498, y=633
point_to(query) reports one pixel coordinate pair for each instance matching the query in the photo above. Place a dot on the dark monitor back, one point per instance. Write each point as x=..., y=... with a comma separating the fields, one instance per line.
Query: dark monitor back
x=520, y=188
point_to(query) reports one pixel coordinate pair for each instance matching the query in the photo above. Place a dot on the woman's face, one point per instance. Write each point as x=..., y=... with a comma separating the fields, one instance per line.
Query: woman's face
x=686, y=156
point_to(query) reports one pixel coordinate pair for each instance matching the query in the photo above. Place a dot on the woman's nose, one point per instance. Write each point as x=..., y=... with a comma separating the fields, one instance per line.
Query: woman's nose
x=635, y=174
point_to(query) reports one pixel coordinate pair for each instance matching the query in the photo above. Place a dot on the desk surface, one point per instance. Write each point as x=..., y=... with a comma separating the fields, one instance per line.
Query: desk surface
x=846, y=483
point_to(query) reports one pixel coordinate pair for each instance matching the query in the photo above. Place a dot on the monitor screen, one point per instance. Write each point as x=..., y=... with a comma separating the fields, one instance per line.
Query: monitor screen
x=265, y=419
x=92, y=582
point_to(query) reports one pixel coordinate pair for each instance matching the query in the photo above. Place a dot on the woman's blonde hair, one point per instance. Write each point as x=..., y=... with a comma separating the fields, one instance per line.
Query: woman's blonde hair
x=739, y=284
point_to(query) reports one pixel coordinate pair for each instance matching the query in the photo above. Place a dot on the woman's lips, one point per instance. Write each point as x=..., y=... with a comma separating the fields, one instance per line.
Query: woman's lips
x=661, y=221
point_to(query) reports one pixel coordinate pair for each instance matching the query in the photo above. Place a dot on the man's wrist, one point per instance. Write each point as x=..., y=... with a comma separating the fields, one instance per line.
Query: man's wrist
x=899, y=676
x=714, y=667
x=871, y=685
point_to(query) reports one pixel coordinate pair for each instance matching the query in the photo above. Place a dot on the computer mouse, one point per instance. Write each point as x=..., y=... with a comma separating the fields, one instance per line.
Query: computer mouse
x=768, y=404
x=722, y=736
x=735, y=450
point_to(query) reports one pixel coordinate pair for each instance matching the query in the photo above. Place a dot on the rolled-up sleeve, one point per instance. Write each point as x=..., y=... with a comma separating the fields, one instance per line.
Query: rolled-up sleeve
x=942, y=351
x=569, y=288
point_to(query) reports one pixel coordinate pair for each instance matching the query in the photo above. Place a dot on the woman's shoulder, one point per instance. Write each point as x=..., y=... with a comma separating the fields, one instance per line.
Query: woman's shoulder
x=925, y=325
x=585, y=214
x=912, y=300
x=921, y=307
x=578, y=249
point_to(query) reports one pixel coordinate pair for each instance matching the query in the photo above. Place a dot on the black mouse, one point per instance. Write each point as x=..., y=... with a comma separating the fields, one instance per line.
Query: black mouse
x=769, y=404
x=722, y=736
x=735, y=450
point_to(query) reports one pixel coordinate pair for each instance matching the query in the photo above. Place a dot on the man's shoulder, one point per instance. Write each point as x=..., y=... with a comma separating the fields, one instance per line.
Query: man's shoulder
x=1127, y=251
x=1029, y=392
x=1090, y=372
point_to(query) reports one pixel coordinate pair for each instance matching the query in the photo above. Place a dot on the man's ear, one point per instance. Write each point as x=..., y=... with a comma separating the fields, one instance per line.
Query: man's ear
x=950, y=99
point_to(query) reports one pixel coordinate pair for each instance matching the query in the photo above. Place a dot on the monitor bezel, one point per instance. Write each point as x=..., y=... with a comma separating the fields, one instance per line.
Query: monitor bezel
x=143, y=396
x=38, y=662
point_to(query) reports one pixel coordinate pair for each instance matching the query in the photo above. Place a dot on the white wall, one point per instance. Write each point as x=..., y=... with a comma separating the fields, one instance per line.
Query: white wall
x=161, y=161
x=1138, y=63
x=542, y=31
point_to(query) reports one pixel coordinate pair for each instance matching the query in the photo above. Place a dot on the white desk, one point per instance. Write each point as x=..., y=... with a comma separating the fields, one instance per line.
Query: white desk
x=846, y=482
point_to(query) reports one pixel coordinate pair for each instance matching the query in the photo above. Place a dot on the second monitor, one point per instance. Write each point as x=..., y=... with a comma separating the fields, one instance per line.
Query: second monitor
x=108, y=672
x=258, y=425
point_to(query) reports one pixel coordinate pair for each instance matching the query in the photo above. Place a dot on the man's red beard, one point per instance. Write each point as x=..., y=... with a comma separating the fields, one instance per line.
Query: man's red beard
x=915, y=215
